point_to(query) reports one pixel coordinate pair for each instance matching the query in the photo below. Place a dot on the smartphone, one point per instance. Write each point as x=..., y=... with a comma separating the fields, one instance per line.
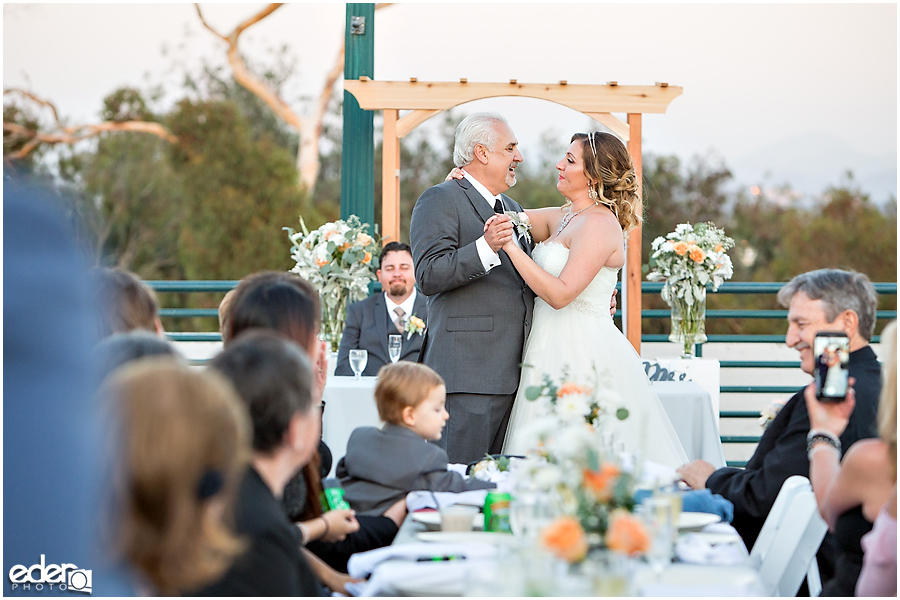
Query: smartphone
x=832, y=351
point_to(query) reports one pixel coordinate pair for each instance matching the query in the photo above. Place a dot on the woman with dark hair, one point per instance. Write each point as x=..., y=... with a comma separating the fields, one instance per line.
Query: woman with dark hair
x=288, y=304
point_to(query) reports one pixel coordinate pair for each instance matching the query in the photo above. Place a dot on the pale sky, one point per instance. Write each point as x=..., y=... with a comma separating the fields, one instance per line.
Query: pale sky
x=756, y=78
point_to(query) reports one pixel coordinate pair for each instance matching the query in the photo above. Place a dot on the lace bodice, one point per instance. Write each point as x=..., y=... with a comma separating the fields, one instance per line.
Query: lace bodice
x=552, y=257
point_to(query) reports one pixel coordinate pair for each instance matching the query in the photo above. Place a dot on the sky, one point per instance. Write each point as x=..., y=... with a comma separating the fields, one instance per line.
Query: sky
x=795, y=93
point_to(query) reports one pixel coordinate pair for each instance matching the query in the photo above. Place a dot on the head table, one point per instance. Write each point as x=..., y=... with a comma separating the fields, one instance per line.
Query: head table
x=350, y=403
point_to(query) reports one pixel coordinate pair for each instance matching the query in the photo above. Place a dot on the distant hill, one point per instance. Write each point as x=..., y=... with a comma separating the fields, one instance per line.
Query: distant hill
x=812, y=162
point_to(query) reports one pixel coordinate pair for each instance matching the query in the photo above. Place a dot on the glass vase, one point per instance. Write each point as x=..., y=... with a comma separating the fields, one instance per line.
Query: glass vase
x=334, y=313
x=688, y=320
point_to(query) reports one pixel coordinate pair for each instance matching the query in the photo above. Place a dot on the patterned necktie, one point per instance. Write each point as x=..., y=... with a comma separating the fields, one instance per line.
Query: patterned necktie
x=498, y=206
x=399, y=322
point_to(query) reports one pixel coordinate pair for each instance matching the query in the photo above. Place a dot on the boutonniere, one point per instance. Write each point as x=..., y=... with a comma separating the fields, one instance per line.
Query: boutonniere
x=768, y=414
x=521, y=223
x=414, y=325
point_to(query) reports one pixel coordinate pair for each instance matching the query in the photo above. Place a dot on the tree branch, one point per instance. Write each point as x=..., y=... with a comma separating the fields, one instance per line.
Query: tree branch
x=71, y=135
x=37, y=100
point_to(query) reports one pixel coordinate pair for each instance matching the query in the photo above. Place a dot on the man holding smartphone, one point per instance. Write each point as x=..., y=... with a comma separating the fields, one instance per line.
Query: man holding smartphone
x=827, y=300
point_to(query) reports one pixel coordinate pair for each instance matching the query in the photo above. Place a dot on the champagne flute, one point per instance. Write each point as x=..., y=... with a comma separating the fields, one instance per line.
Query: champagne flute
x=394, y=343
x=358, y=360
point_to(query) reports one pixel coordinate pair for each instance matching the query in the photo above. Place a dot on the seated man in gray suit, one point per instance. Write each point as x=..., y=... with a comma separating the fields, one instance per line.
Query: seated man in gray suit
x=371, y=321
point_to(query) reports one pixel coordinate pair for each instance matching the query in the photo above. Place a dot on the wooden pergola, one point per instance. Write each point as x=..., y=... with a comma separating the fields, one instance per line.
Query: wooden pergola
x=427, y=99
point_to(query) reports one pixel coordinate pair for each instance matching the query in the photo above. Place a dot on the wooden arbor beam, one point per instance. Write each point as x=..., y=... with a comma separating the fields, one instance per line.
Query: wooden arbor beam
x=427, y=99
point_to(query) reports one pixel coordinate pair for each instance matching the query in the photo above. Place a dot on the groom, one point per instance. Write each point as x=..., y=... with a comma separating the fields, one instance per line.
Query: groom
x=479, y=307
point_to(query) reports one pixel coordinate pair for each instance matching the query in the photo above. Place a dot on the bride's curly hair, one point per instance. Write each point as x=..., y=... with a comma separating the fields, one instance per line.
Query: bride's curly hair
x=607, y=162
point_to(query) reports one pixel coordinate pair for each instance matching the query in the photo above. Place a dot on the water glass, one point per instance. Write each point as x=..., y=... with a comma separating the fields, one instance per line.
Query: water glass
x=358, y=360
x=610, y=573
x=657, y=513
x=394, y=343
x=530, y=511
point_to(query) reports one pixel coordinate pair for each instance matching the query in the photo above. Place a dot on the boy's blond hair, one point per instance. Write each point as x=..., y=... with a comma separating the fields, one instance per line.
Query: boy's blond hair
x=400, y=385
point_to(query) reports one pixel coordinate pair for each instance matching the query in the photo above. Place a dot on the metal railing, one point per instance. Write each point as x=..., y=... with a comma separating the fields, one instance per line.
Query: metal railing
x=647, y=288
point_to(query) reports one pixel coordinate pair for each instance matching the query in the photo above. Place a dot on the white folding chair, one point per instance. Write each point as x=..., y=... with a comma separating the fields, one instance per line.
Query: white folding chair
x=785, y=551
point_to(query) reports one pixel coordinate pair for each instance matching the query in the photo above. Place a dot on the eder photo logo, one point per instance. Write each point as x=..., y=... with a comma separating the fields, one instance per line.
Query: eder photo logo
x=64, y=577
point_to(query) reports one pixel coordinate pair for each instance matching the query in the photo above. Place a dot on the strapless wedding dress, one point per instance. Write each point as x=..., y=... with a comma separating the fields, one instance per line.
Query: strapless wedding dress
x=578, y=337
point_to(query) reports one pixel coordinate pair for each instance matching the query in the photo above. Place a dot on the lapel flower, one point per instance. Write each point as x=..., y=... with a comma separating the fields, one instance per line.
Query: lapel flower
x=414, y=325
x=521, y=223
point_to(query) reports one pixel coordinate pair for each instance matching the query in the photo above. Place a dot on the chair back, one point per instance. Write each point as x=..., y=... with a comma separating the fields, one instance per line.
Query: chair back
x=785, y=550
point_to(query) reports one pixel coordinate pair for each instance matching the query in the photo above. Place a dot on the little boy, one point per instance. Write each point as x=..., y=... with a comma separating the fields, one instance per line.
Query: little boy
x=382, y=465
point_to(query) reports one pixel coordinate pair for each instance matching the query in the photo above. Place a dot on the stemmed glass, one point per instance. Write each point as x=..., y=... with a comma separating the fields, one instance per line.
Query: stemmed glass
x=358, y=360
x=658, y=518
x=394, y=344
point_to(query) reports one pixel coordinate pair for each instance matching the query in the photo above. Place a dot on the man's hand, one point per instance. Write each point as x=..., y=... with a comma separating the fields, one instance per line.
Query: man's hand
x=498, y=231
x=612, y=303
x=830, y=416
x=696, y=473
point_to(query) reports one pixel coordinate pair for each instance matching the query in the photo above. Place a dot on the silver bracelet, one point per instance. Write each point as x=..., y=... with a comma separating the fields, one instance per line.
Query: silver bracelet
x=816, y=436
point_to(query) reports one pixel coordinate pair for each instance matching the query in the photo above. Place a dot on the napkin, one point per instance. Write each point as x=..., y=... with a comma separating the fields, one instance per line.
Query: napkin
x=430, y=578
x=695, y=549
x=458, y=468
x=425, y=499
x=363, y=564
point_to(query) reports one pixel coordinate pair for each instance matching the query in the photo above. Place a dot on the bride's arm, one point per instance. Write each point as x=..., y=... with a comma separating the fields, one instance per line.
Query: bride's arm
x=593, y=245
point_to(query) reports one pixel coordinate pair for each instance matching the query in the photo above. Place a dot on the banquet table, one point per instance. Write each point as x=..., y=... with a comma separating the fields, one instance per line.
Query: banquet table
x=350, y=403
x=407, y=577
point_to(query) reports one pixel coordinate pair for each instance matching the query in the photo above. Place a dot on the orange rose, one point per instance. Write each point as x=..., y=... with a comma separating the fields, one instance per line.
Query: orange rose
x=626, y=534
x=321, y=263
x=566, y=539
x=601, y=482
x=718, y=247
x=570, y=388
x=367, y=258
x=681, y=248
x=697, y=255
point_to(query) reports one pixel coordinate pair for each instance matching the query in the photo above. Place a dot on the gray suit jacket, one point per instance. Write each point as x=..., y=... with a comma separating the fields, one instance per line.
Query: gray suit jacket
x=383, y=465
x=367, y=327
x=478, y=320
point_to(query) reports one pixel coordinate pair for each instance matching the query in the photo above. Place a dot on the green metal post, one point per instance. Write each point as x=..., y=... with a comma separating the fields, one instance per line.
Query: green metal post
x=358, y=154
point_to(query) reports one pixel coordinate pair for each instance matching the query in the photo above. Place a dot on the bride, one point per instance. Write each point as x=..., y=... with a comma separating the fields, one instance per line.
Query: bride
x=574, y=272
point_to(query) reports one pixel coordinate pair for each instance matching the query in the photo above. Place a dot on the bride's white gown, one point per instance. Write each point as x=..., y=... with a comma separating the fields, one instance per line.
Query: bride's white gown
x=583, y=334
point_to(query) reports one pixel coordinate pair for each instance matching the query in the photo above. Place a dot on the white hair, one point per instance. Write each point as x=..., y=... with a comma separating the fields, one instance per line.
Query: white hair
x=478, y=128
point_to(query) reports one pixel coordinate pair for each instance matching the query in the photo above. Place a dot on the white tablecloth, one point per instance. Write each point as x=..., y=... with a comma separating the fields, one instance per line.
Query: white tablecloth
x=350, y=404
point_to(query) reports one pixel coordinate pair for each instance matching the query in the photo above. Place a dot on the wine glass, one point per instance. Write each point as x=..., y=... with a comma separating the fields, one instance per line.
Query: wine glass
x=358, y=360
x=394, y=343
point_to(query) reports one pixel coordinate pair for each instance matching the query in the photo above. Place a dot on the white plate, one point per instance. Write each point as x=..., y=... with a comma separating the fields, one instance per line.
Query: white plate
x=715, y=538
x=464, y=537
x=432, y=519
x=696, y=520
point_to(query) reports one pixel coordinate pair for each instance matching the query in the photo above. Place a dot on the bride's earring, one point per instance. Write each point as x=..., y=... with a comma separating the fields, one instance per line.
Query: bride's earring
x=592, y=193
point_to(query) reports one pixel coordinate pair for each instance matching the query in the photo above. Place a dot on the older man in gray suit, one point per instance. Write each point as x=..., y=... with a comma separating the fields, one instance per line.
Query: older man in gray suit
x=479, y=307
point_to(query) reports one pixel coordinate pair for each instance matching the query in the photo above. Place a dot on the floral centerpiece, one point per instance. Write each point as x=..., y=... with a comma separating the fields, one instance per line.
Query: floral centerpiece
x=340, y=260
x=569, y=459
x=689, y=259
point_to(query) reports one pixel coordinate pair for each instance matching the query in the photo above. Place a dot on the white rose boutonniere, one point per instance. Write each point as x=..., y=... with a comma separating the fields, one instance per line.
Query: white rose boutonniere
x=414, y=325
x=521, y=223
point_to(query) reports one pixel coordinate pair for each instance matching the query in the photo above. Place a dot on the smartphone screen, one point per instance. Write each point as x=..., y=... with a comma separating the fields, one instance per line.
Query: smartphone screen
x=832, y=358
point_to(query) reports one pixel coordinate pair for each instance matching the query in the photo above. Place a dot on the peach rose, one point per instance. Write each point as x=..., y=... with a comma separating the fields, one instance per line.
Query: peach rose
x=602, y=482
x=321, y=262
x=566, y=539
x=367, y=258
x=626, y=534
x=718, y=247
x=697, y=254
x=681, y=248
x=570, y=388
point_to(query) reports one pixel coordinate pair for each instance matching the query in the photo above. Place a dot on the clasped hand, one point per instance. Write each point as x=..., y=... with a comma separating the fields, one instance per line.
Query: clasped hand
x=498, y=232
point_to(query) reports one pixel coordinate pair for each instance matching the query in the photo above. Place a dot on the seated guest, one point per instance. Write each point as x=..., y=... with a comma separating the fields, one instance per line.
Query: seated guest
x=126, y=303
x=273, y=378
x=852, y=492
x=823, y=300
x=289, y=305
x=371, y=321
x=121, y=348
x=383, y=465
x=181, y=443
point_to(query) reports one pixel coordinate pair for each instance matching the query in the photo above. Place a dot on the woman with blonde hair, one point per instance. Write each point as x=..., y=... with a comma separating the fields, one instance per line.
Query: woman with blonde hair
x=181, y=440
x=573, y=271
x=859, y=489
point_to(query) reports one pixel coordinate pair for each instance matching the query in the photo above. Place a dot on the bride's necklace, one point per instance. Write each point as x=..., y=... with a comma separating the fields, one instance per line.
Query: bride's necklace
x=569, y=216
